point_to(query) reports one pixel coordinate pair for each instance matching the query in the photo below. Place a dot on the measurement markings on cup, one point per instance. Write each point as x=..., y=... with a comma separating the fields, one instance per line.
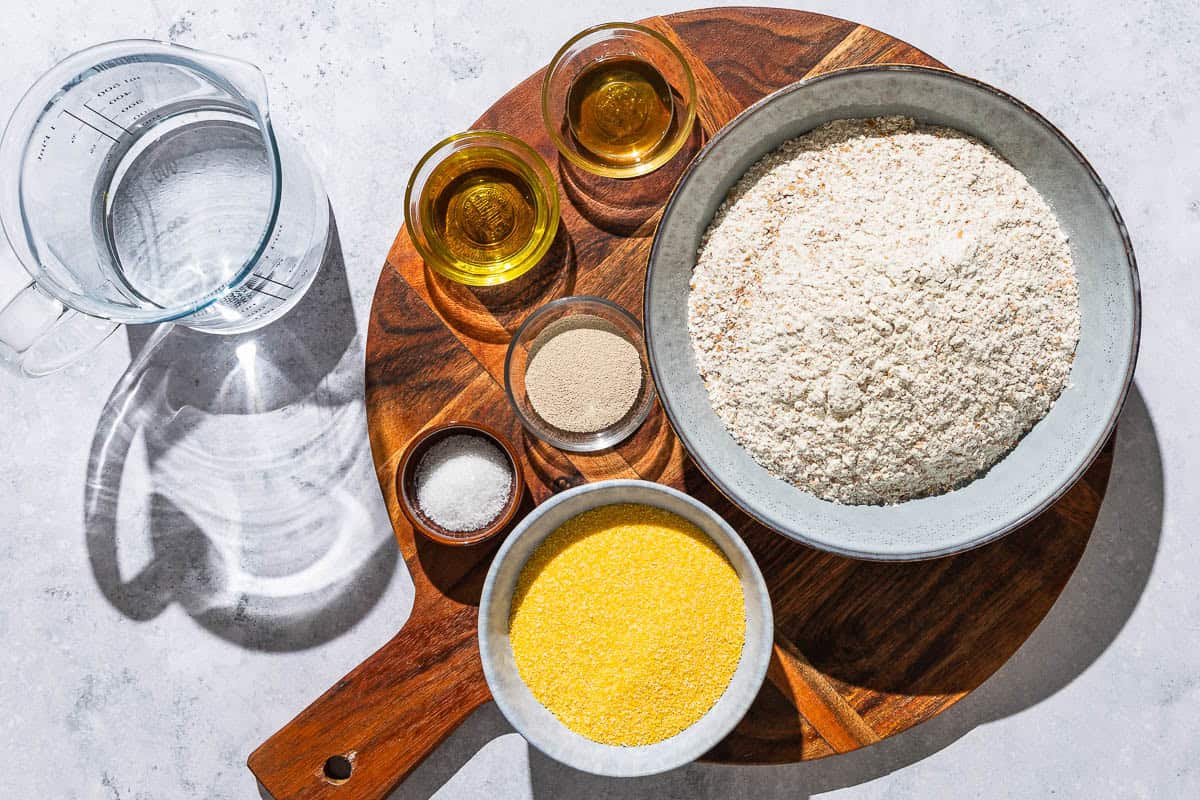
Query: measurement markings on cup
x=261, y=290
x=90, y=125
x=272, y=280
x=107, y=119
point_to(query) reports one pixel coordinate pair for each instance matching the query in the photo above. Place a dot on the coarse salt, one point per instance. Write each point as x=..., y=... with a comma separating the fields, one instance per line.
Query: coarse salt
x=463, y=482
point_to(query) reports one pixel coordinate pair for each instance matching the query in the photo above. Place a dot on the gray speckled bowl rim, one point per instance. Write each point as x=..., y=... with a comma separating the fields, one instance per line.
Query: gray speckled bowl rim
x=1049, y=497
x=544, y=731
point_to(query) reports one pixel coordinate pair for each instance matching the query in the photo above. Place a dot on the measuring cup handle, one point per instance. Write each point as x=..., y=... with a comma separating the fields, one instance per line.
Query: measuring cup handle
x=40, y=335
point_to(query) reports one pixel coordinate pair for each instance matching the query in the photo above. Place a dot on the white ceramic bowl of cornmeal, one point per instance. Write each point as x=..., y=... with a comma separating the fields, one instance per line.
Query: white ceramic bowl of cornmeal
x=536, y=722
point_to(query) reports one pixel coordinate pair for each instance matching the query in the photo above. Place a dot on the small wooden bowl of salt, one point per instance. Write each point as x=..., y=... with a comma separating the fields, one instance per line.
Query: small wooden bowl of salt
x=459, y=483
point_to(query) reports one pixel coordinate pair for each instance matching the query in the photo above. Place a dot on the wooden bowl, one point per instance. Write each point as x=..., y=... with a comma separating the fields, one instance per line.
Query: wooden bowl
x=406, y=485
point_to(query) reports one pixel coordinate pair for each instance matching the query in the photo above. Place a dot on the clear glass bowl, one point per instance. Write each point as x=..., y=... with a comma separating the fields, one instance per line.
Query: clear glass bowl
x=610, y=41
x=492, y=149
x=524, y=344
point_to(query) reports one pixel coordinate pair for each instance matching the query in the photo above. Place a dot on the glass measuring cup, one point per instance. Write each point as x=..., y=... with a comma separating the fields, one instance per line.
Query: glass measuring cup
x=143, y=182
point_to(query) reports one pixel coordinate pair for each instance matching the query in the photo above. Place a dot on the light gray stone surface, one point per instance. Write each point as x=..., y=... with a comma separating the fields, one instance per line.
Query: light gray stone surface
x=225, y=556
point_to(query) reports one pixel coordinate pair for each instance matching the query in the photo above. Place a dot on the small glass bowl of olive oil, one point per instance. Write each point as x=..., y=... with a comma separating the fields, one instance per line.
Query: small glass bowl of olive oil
x=619, y=100
x=481, y=208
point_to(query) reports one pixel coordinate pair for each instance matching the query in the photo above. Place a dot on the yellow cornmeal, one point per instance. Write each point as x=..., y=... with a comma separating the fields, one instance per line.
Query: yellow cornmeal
x=627, y=624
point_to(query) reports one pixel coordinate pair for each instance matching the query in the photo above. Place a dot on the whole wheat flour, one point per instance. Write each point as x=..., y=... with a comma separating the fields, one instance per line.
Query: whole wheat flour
x=880, y=310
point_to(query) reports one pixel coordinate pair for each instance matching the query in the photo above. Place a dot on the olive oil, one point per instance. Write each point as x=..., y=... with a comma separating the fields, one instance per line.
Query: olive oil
x=483, y=208
x=620, y=109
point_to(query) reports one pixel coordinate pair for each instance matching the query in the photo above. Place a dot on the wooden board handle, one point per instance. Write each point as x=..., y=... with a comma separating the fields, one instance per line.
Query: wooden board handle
x=368, y=732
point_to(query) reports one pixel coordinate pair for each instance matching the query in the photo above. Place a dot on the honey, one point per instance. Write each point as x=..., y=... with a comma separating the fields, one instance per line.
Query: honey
x=620, y=110
x=483, y=209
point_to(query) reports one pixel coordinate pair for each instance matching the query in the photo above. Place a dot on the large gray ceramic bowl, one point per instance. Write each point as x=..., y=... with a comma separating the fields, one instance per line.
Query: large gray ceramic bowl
x=1056, y=451
x=541, y=728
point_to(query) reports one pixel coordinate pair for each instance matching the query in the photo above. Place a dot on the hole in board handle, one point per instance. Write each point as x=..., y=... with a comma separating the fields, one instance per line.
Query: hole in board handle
x=338, y=769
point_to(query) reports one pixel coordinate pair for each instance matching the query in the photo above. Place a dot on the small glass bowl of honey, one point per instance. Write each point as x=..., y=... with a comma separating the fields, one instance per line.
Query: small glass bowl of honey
x=619, y=100
x=481, y=208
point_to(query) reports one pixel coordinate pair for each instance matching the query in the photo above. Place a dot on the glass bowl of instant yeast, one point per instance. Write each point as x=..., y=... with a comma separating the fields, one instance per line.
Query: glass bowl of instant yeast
x=481, y=208
x=577, y=374
x=619, y=100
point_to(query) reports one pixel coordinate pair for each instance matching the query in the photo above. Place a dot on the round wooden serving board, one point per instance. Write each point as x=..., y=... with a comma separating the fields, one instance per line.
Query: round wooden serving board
x=863, y=650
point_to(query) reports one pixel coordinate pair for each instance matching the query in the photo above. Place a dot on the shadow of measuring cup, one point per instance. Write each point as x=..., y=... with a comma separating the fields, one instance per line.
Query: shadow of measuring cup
x=233, y=474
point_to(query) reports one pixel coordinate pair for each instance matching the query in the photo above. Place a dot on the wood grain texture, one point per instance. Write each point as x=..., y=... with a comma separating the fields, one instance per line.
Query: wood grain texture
x=863, y=650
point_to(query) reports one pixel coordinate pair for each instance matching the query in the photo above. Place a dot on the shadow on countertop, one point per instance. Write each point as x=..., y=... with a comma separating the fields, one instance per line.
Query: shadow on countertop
x=1088, y=616
x=232, y=475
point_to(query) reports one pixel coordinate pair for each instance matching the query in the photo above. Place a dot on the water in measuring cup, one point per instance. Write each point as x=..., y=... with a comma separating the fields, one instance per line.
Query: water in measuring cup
x=186, y=205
